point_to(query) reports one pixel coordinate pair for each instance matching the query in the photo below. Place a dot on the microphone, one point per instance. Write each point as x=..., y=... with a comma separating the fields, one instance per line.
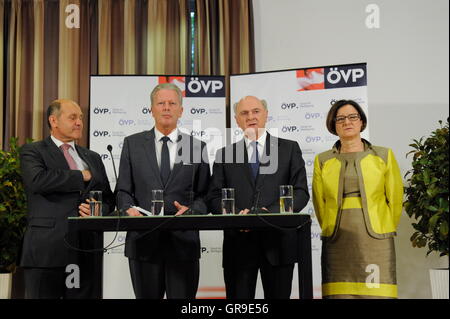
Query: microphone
x=109, y=148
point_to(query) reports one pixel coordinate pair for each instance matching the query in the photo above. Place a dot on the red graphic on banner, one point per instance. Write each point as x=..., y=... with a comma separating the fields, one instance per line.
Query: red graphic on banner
x=177, y=80
x=311, y=79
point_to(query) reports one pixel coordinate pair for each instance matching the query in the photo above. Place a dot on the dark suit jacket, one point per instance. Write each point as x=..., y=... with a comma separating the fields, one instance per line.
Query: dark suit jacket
x=281, y=164
x=54, y=193
x=188, y=183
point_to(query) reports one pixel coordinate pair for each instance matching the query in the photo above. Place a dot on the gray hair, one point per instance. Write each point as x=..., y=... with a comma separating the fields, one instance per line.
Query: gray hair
x=167, y=86
x=235, y=105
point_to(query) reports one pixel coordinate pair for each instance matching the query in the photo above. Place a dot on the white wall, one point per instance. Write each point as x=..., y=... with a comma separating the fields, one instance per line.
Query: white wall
x=408, y=75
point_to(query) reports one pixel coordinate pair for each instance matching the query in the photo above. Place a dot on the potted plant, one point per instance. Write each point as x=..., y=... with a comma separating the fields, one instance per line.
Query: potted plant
x=12, y=215
x=427, y=195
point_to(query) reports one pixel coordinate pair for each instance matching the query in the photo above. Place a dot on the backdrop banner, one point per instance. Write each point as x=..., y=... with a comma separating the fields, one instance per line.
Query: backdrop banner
x=120, y=106
x=298, y=103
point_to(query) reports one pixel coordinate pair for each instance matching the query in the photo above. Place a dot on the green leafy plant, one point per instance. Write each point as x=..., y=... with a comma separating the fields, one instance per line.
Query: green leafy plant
x=13, y=207
x=427, y=196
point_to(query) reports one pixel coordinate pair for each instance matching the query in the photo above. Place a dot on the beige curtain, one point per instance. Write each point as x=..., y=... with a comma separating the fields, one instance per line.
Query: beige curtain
x=46, y=60
x=22, y=54
x=225, y=40
x=143, y=37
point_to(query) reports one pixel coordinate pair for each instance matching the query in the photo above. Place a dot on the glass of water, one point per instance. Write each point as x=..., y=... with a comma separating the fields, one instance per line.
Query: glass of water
x=286, y=199
x=228, y=201
x=95, y=203
x=157, y=202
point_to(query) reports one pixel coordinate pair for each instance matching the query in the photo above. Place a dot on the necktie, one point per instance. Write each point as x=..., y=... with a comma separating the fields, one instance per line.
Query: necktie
x=69, y=158
x=165, y=161
x=254, y=161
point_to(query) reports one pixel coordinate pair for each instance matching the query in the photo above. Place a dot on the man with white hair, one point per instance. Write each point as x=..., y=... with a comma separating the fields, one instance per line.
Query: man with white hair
x=255, y=167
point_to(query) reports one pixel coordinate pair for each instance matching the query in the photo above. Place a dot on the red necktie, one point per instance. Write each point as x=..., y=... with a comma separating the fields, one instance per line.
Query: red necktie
x=69, y=158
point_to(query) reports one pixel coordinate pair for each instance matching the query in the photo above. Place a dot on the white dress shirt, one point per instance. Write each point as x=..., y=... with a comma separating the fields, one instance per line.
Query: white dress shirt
x=261, y=142
x=81, y=165
x=172, y=145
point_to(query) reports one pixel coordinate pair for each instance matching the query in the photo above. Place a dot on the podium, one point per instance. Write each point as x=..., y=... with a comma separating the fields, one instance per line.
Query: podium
x=98, y=225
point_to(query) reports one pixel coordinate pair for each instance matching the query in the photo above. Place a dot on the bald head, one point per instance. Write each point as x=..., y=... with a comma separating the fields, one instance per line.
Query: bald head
x=65, y=119
x=55, y=108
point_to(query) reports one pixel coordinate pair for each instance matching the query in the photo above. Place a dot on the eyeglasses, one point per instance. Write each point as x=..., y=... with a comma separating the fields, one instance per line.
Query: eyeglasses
x=351, y=117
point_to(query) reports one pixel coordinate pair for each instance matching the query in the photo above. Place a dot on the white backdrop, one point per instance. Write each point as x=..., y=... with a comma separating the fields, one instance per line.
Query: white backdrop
x=120, y=106
x=298, y=103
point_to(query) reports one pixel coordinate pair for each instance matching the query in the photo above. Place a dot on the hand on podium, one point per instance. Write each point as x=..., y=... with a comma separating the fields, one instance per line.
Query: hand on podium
x=133, y=212
x=181, y=208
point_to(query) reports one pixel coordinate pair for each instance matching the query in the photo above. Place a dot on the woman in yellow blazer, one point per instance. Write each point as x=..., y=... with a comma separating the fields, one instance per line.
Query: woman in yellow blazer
x=357, y=196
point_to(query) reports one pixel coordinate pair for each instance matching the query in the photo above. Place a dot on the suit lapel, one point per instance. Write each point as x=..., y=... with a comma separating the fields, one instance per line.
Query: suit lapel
x=150, y=150
x=83, y=153
x=57, y=154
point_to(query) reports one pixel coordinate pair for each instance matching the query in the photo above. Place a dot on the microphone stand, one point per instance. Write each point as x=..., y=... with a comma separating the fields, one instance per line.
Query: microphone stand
x=116, y=212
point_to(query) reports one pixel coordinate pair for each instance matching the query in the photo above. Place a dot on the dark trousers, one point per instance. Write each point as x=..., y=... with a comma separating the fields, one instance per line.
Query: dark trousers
x=50, y=283
x=45, y=283
x=178, y=279
x=240, y=282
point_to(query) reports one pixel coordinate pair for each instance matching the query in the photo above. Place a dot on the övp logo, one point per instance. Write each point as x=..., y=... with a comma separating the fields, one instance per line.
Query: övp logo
x=100, y=133
x=201, y=133
x=101, y=110
x=126, y=122
x=198, y=110
x=345, y=76
x=313, y=139
x=205, y=87
x=309, y=115
x=289, y=129
x=289, y=106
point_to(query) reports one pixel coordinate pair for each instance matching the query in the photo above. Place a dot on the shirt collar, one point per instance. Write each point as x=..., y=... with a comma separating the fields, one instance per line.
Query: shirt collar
x=261, y=140
x=59, y=143
x=173, y=135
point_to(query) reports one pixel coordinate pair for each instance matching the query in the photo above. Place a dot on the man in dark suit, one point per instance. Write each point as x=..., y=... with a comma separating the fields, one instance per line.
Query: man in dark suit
x=58, y=175
x=255, y=167
x=164, y=159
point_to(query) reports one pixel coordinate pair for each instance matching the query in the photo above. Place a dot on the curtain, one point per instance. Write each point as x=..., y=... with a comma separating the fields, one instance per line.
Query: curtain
x=45, y=60
x=143, y=37
x=42, y=59
x=225, y=40
x=225, y=37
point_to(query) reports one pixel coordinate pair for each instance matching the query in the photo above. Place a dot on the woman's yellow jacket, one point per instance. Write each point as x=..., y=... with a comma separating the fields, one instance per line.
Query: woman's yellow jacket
x=380, y=184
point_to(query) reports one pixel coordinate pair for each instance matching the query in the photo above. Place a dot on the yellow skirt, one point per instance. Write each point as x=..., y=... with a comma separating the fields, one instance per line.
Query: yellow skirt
x=354, y=264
